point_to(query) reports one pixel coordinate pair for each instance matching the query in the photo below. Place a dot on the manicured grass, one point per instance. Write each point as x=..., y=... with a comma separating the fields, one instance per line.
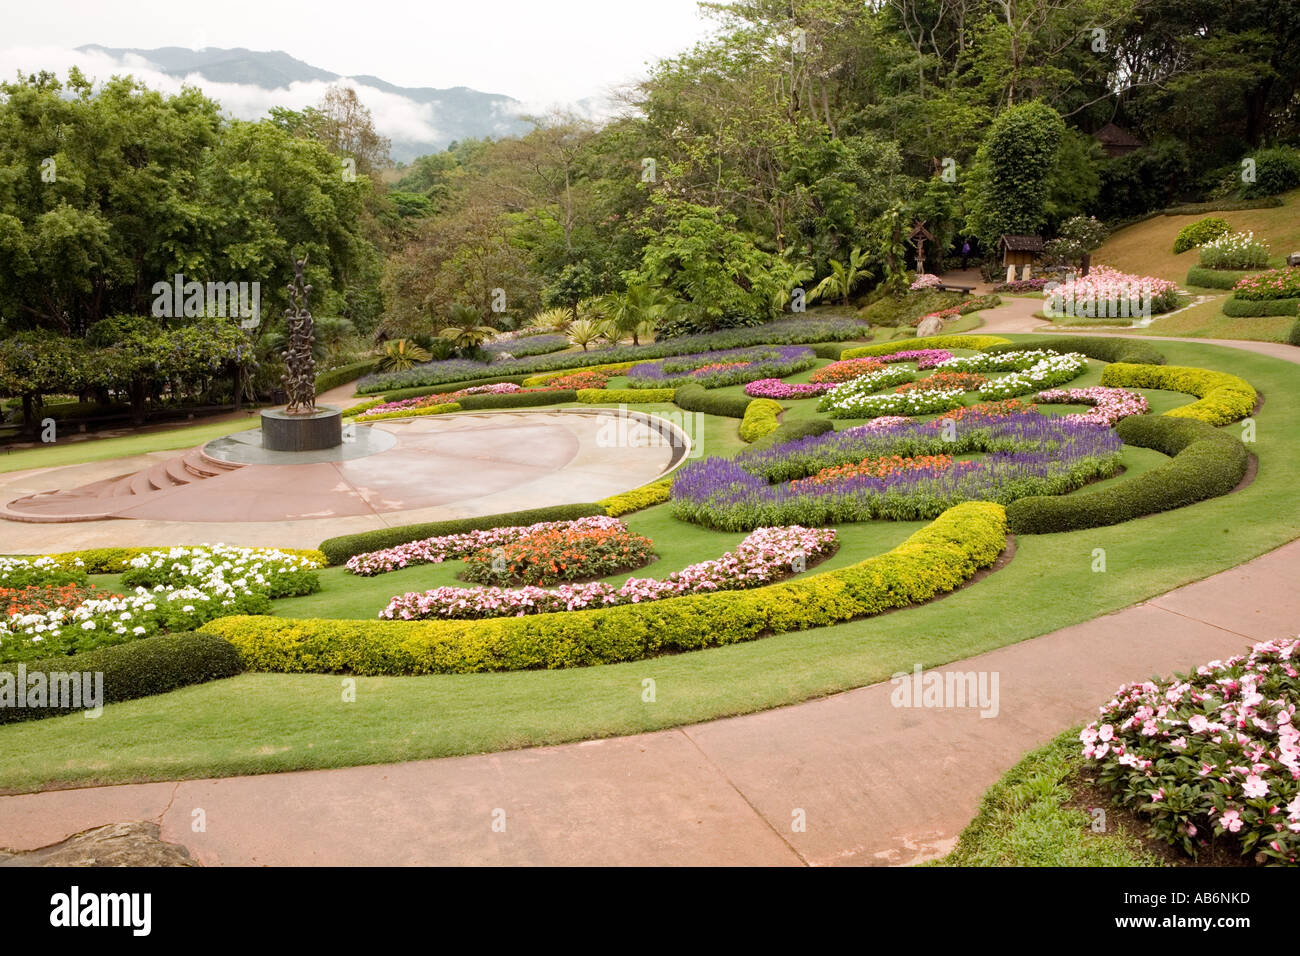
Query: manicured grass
x=1023, y=820
x=1207, y=321
x=267, y=722
x=63, y=453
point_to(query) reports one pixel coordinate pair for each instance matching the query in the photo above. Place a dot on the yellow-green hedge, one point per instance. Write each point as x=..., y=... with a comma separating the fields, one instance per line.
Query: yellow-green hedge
x=613, y=369
x=1223, y=398
x=976, y=342
x=114, y=560
x=625, y=396
x=410, y=412
x=761, y=416
x=654, y=493
x=934, y=560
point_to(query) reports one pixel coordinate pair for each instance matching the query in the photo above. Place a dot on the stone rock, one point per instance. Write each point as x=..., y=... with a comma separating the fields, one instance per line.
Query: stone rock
x=502, y=357
x=117, y=844
x=930, y=325
x=1293, y=259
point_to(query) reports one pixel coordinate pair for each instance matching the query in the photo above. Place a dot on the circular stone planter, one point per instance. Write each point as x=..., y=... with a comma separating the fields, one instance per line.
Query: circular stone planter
x=313, y=431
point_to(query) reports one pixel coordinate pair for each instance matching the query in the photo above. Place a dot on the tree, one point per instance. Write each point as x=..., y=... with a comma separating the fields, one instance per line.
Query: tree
x=637, y=310
x=1008, y=193
x=465, y=330
x=1078, y=237
x=844, y=278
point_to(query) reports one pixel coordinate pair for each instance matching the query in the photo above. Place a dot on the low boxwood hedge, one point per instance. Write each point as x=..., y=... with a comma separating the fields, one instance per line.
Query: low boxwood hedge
x=697, y=398
x=1255, y=308
x=1206, y=463
x=1216, y=278
x=761, y=416
x=791, y=431
x=472, y=403
x=397, y=394
x=1294, y=337
x=1101, y=348
x=933, y=561
x=334, y=377
x=657, y=492
x=1223, y=398
x=975, y=342
x=416, y=412
x=338, y=550
x=141, y=668
x=625, y=396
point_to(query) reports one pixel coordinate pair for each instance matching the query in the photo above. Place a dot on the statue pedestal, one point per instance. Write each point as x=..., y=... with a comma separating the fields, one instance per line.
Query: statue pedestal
x=312, y=431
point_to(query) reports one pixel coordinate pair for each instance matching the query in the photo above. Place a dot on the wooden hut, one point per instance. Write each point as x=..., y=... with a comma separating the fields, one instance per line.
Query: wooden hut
x=1117, y=141
x=1020, y=251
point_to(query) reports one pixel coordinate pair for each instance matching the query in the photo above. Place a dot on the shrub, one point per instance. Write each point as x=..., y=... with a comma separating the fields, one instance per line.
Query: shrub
x=473, y=403
x=906, y=310
x=1247, y=308
x=979, y=303
x=1223, y=398
x=1103, y=349
x=975, y=342
x=1235, y=250
x=761, y=417
x=1206, y=463
x=398, y=394
x=1200, y=232
x=934, y=560
x=1274, y=284
x=333, y=378
x=1294, y=338
x=1214, y=278
x=338, y=550
x=1276, y=171
x=152, y=665
x=654, y=493
x=625, y=396
x=696, y=398
x=791, y=431
x=417, y=411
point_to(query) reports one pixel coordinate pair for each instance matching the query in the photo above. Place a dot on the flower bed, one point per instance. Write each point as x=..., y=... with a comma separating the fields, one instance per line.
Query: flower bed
x=925, y=281
x=40, y=598
x=924, y=358
x=440, y=548
x=1274, y=284
x=777, y=389
x=1224, y=398
x=838, y=372
x=728, y=367
x=1028, y=454
x=31, y=572
x=1109, y=404
x=766, y=555
x=1046, y=372
x=943, y=315
x=882, y=467
x=585, y=379
x=1021, y=285
x=946, y=381
x=1216, y=752
x=1234, y=250
x=1111, y=293
x=561, y=554
x=844, y=395
x=983, y=411
x=266, y=571
x=901, y=404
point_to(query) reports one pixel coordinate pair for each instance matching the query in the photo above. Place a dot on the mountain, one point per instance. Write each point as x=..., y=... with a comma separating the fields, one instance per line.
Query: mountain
x=452, y=114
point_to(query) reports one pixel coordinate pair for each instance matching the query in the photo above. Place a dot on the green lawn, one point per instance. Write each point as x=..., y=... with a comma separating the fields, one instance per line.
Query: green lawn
x=62, y=453
x=270, y=722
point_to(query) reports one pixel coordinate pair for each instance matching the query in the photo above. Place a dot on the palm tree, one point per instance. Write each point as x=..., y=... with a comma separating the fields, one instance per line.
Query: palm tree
x=585, y=332
x=401, y=354
x=843, y=278
x=465, y=331
x=552, y=320
x=796, y=274
x=638, y=310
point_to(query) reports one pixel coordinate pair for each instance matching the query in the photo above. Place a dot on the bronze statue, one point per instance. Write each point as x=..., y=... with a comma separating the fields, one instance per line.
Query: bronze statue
x=300, y=368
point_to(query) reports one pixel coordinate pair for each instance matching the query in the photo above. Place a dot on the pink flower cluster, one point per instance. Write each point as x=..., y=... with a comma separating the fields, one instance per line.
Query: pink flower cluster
x=766, y=555
x=1109, y=404
x=442, y=548
x=498, y=388
x=924, y=358
x=877, y=424
x=1224, y=739
x=775, y=388
x=925, y=281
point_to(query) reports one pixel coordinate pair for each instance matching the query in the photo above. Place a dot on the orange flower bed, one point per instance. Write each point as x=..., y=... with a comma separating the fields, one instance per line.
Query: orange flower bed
x=39, y=598
x=984, y=410
x=881, y=468
x=963, y=381
x=846, y=370
x=561, y=554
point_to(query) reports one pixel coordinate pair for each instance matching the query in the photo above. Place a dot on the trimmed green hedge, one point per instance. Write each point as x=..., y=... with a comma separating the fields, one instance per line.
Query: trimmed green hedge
x=654, y=493
x=419, y=412
x=975, y=342
x=471, y=403
x=1206, y=463
x=828, y=350
x=625, y=396
x=1103, y=349
x=1255, y=308
x=1200, y=232
x=936, y=559
x=334, y=377
x=1222, y=205
x=1294, y=338
x=762, y=416
x=339, y=549
x=1223, y=398
x=1216, y=278
x=792, y=431
x=141, y=668
x=397, y=394
x=697, y=398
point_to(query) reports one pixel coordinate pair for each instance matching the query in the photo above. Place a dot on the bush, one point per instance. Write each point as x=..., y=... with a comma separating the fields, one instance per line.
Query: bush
x=151, y=665
x=827, y=350
x=1247, y=308
x=761, y=417
x=1107, y=349
x=1222, y=205
x=1235, y=250
x=1206, y=463
x=933, y=561
x=1276, y=171
x=1223, y=398
x=1274, y=284
x=791, y=431
x=975, y=342
x=473, y=403
x=890, y=311
x=1200, y=232
x=1214, y=278
x=625, y=396
x=654, y=493
x=338, y=550
x=696, y=398
x=397, y=395
x=334, y=377
x=1294, y=338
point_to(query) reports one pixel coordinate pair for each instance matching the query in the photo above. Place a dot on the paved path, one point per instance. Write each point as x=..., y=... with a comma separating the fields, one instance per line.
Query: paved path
x=866, y=778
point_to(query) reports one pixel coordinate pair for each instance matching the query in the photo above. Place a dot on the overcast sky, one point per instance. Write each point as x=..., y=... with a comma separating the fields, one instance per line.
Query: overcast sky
x=538, y=51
